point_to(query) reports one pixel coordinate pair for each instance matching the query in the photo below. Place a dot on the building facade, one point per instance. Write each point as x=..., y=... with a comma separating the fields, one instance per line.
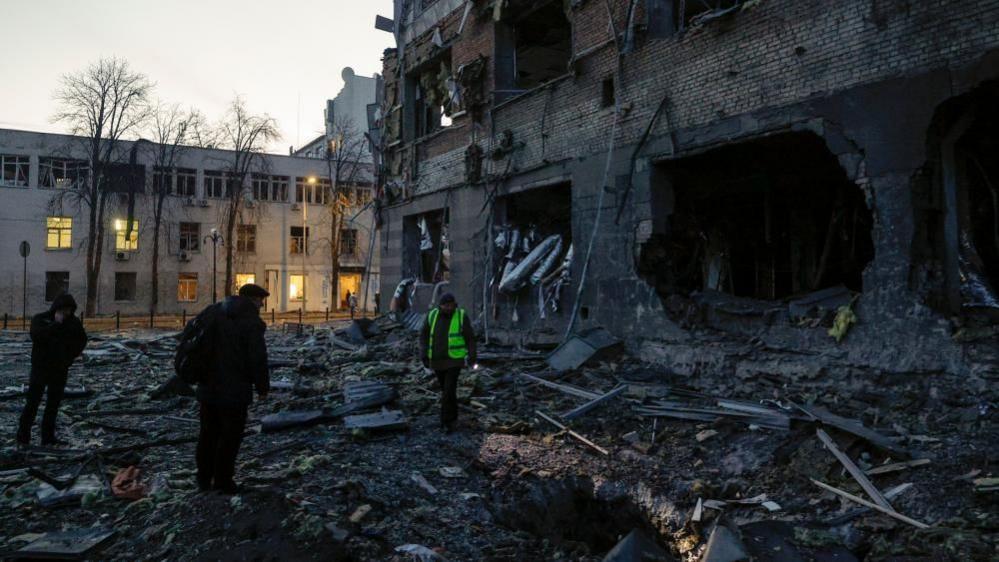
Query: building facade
x=737, y=170
x=281, y=240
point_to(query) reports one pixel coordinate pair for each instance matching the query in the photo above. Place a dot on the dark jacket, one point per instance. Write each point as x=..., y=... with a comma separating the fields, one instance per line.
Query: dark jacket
x=441, y=360
x=240, y=356
x=54, y=345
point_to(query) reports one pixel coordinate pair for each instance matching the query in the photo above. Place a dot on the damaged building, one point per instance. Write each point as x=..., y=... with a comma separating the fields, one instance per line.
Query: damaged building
x=816, y=177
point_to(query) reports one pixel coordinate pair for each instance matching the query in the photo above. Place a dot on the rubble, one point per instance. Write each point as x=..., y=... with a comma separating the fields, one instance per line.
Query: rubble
x=743, y=449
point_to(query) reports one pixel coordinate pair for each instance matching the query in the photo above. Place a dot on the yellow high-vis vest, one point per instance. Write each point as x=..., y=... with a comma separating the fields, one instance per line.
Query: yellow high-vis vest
x=456, y=347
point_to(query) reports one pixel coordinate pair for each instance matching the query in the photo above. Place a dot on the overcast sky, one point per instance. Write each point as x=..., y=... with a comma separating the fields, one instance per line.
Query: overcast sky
x=282, y=56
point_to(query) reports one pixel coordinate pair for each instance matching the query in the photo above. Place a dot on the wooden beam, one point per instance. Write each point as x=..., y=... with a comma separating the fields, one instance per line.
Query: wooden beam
x=854, y=470
x=889, y=512
x=594, y=403
x=896, y=466
x=571, y=390
x=572, y=433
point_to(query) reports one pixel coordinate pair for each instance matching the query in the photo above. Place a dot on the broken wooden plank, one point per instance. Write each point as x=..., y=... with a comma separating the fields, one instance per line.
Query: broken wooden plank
x=889, y=494
x=659, y=413
x=122, y=412
x=782, y=423
x=896, y=466
x=575, y=435
x=889, y=512
x=853, y=469
x=575, y=413
x=568, y=389
x=856, y=428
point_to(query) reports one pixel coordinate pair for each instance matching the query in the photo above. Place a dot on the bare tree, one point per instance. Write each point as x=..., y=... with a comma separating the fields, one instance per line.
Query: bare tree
x=104, y=103
x=173, y=131
x=245, y=136
x=346, y=147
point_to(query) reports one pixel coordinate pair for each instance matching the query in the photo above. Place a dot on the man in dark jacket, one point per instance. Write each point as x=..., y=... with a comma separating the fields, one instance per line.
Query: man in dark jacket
x=240, y=367
x=57, y=339
x=447, y=343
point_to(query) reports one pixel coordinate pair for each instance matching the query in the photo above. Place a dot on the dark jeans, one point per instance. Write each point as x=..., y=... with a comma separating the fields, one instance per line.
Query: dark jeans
x=448, y=379
x=56, y=385
x=218, y=444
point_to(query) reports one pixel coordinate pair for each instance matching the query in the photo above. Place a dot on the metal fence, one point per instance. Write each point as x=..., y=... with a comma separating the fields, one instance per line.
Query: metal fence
x=117, y=321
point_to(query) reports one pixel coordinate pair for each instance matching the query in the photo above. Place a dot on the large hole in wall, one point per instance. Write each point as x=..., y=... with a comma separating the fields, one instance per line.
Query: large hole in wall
x=426, y=246
x=532, y=236
x=765, y=219
x=533, y=46
x=956, y=203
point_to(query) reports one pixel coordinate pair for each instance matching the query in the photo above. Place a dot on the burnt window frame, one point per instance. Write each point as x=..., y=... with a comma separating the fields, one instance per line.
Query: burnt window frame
x=508, y=84
x=421, y=119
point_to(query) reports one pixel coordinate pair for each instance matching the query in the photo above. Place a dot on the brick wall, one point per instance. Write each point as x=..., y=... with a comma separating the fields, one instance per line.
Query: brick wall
x=771, y=54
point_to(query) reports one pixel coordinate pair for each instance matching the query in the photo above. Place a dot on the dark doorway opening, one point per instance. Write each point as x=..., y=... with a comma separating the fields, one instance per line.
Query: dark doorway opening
x=426, y=246
x=956, y=201
x=764, y=219
x=532, y=242
x=533, y=46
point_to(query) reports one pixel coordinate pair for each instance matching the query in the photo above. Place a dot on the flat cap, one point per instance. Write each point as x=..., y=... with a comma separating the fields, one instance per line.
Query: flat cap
x=253, y=291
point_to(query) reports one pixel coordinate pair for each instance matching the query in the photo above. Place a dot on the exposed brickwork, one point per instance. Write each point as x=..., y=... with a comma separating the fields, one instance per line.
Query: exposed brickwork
x=775, y=64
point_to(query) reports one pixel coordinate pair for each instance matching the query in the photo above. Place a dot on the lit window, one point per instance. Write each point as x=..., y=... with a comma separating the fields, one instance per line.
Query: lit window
x=121, y=243
x=59, y=233
x=187, y=287
x=296, y=287
x=245, y=279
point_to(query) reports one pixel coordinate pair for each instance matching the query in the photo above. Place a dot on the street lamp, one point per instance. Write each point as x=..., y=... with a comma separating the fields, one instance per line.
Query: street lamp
x=215, y=239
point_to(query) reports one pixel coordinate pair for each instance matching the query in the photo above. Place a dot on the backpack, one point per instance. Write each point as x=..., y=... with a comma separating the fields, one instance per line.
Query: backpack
x=193, y=360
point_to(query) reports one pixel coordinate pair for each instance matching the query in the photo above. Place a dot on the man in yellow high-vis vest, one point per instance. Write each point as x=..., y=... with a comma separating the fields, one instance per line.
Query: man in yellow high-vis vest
x=447, y=343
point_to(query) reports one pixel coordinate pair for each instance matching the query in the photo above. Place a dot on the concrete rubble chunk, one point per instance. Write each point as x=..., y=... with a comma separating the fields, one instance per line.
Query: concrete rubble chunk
x=579, y=348
x=66, y=545
x=636, y=546
x=381, y=421
x=724, y=546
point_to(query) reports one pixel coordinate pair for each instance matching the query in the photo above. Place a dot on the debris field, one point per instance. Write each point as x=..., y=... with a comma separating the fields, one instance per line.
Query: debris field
x=581, y=453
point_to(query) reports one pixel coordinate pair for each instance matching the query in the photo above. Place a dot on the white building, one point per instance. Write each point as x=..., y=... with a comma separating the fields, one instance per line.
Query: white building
x=351, y=108
x=284, y=215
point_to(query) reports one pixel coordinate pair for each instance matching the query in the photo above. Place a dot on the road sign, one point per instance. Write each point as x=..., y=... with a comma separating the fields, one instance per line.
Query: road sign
x=25, y=249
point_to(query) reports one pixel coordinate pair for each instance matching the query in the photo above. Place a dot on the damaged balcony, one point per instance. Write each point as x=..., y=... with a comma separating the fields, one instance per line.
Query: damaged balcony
x=753, y=227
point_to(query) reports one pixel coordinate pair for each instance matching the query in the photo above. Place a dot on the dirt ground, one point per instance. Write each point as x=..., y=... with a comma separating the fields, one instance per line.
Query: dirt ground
x=508, y=485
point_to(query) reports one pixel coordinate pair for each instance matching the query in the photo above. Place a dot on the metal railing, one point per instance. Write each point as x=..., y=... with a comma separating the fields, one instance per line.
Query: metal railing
x=117, y=322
